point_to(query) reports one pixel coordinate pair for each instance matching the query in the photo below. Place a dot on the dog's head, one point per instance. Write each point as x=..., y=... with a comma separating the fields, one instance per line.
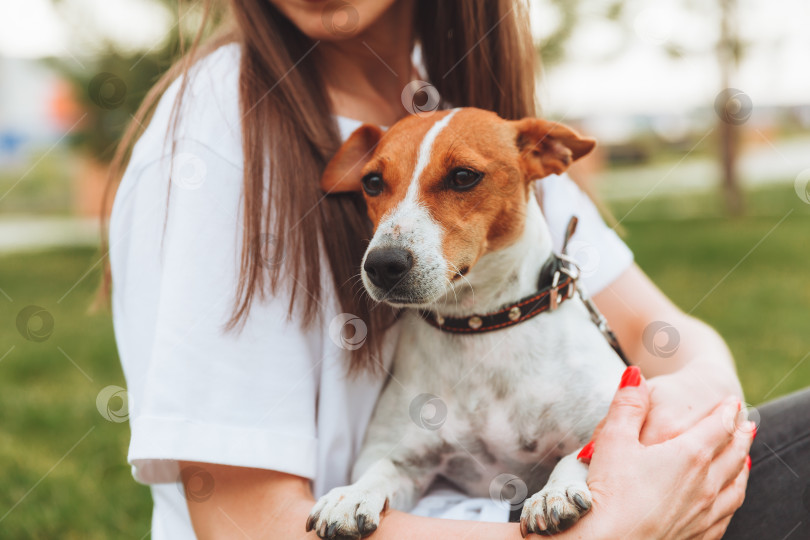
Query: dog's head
x=444, y=190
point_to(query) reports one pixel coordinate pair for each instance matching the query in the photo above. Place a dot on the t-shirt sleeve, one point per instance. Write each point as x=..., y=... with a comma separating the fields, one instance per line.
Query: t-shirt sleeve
x=601, y=255
x=199, y=392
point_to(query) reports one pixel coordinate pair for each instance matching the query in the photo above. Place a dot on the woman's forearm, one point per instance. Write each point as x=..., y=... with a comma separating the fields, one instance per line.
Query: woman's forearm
x=695, y=350
x=661, y=339
x=262, y=504
x=287, y=521
x=400, y=525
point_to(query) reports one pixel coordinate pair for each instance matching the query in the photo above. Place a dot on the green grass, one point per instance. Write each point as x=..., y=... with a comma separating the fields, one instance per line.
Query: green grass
x=747, y=277
x=47, y=406
x=752, y=272
x=46, y=187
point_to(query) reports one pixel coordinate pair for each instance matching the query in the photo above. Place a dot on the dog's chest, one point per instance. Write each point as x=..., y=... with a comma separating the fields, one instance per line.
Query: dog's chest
x=515, y=400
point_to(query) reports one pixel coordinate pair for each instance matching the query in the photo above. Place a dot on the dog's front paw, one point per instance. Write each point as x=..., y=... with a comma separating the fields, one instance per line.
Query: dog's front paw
x=346, y=512
x=555, y=508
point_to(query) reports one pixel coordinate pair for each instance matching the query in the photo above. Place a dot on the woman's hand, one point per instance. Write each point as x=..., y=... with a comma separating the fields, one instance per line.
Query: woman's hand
x=686, y=487
x=678, y=401
x=692, y=374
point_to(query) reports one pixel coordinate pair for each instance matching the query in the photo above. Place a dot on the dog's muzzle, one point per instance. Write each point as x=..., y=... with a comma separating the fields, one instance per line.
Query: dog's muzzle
x=388, y=267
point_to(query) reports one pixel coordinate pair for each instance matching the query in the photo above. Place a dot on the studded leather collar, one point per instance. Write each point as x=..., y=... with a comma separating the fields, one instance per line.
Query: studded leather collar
x=555, y=287
x=556, y=284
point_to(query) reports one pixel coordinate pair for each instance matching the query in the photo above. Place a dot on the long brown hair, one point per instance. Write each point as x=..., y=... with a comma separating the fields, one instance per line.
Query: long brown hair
x=476, y=53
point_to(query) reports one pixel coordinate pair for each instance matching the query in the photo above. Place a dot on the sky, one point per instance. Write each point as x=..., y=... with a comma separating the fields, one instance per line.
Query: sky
x=631, y=71
x=621, y=68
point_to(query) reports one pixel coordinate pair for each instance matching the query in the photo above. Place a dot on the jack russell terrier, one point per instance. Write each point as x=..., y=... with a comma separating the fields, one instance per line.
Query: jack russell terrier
x=497, y=328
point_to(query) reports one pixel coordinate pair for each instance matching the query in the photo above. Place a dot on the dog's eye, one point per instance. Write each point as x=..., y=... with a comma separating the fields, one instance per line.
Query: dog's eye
x=463, y=179
x=372, y=184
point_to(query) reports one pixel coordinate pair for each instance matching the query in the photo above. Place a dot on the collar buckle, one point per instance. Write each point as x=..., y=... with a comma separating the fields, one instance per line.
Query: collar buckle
x=553, y=300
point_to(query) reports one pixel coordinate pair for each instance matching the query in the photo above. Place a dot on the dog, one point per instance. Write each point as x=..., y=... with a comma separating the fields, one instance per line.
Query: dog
x=459, y=239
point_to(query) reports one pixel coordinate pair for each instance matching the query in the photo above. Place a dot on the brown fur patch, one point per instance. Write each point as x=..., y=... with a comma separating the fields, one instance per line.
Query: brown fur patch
x=486, y=218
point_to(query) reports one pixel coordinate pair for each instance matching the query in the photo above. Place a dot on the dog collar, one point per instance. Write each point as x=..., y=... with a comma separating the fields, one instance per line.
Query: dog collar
x=557, y=283
x=561, y=286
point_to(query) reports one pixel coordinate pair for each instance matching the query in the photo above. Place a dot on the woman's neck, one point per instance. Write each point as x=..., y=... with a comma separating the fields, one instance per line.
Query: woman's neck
x=365, y=74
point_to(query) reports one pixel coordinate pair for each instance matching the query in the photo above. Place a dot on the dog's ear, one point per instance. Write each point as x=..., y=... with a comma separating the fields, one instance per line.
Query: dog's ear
x=342, y=173
x=549, y=147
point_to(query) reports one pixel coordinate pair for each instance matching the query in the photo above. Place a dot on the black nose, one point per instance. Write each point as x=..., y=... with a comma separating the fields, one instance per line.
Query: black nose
x=386, y=267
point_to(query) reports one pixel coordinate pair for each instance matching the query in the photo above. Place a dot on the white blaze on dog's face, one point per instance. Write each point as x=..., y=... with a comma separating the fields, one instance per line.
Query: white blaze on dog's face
x=444, y=190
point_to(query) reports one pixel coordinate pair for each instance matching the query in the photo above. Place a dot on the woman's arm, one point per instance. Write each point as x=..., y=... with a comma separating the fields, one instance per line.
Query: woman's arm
x=256, y=504
x=689, y=364
x=638, y=502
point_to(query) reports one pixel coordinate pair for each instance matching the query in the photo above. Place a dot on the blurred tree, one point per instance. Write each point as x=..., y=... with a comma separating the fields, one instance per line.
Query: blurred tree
x=109, y=90
x=733, y=107
x=110, y=81
x=567, y=15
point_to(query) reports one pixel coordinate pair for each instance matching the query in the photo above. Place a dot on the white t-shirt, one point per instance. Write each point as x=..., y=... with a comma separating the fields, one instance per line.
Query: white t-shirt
x=272, y=395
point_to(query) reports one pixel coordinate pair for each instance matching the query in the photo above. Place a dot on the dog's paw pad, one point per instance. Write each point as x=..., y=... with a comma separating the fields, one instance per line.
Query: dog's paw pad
x=346, y=512
x=554, y=509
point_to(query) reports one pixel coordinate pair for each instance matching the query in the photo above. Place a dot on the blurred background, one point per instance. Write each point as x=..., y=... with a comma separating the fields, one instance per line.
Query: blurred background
x=701, y=108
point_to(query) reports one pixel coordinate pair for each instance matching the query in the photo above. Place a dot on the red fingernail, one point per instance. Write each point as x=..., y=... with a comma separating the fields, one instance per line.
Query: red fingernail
x=631, y=377
x=586, y=453
x=754, y=433
x=748, y=462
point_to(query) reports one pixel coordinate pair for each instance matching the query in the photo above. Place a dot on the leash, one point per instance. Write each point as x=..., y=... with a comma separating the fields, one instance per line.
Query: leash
x=562, y=275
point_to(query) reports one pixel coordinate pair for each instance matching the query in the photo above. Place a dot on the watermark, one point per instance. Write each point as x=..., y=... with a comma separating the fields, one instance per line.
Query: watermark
x=113, y=404
x=585, y=255
x=733, y=106
x=508, y=491
x=35, y=323
x=198, y=485
x=188, y=170
x=661, y=339
x=107, y=90
x=420, y=98
x=428, y=411
x=654, y=25
x=348, y=331
x=340, y=18
x=746, y=420
x=802, y=186
x=271, y=255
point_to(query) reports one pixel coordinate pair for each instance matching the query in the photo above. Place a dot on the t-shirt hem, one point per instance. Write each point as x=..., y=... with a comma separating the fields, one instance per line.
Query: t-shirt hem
x=158, y=444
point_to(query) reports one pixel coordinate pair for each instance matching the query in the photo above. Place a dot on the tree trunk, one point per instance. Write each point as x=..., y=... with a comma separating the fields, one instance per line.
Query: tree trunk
x=729, y=130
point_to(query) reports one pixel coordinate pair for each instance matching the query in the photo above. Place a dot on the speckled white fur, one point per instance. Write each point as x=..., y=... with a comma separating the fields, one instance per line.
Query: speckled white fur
x=410, y=226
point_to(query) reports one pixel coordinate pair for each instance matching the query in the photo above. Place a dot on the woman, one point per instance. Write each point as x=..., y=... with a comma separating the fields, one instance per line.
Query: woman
x=231, y=299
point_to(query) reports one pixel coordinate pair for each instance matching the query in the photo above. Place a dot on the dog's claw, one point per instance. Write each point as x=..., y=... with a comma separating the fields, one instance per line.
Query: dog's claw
x=541, y=523
x=555, y=517
x=584, y=505
x=555, y=509
x=347, y=513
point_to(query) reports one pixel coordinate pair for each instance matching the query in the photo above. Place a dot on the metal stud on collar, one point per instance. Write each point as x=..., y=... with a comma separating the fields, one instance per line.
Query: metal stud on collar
x=475, y=322
x=514, y=313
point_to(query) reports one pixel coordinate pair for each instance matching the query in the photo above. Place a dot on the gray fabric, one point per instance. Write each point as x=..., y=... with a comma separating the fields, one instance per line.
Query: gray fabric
x=777, y=501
